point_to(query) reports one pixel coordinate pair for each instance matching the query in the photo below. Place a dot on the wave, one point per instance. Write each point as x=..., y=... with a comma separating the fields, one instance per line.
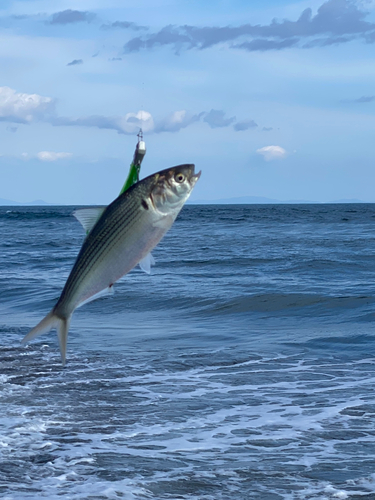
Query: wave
x=32, y=213
x=274, y=302
x=270, y=304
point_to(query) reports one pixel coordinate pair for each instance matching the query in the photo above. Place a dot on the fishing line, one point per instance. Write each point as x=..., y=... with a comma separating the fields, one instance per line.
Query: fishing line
x=142, y=109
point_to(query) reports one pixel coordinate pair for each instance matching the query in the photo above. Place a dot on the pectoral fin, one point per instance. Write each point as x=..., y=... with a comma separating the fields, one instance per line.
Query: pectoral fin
x=146, y=263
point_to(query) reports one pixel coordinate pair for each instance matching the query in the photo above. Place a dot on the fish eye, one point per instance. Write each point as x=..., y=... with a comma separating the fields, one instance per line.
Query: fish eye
x=179, y=177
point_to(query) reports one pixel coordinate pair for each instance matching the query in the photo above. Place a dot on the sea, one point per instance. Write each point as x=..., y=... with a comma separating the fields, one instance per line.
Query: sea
x=242, y=368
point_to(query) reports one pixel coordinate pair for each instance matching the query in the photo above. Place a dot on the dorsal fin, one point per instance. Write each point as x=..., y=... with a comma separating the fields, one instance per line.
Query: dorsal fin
x=88, y=216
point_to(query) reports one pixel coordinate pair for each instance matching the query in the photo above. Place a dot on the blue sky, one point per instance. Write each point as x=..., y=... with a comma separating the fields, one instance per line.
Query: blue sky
x=268, y=98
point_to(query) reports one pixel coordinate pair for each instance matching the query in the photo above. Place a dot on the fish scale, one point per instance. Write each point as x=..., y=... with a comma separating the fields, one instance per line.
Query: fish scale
x=103, y=232
x=124, y=234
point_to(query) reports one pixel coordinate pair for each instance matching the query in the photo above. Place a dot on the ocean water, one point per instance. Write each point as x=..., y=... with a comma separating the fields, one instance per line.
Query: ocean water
x=243, y=367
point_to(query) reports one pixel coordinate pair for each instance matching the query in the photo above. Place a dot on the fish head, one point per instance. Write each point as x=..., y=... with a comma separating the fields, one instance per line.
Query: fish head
x=173, y=187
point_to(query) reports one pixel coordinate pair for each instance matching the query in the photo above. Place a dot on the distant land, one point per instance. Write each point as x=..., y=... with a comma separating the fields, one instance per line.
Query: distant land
x=10, y=203
x=260, y=200
x=242, y=200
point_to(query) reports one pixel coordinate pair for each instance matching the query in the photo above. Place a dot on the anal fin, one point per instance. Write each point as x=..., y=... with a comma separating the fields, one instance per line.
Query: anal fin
x=103, y=293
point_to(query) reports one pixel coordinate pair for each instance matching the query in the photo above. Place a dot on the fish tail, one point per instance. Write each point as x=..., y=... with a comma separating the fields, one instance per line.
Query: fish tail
x=47, y=324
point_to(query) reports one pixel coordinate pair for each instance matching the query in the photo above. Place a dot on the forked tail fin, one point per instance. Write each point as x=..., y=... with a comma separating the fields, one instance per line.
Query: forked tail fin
x=47, y=324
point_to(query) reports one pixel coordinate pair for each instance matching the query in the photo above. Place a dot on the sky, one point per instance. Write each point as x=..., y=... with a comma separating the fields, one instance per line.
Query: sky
x=269, y=98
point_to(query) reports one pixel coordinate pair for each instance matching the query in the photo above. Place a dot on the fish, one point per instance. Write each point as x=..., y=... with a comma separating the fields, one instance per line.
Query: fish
x=87, y=217
x=126, y=232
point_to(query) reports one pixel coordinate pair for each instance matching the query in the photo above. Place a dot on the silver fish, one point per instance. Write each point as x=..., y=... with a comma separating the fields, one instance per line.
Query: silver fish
x=129, y=228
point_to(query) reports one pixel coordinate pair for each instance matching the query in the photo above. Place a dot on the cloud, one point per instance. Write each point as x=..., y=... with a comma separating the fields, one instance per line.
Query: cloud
x=12, y=128
x=368, y=98
x=72, y=16
x=176, y=121
x=52, y=156
x=272, y=153
x=124, y=25
x=245, y=125
x=24, y=108
x=261, y=44
x=216, y=118
x=170, y=35
x=267, y=129
x=326, y=42
x=75, y=62
x=360, y=100
x=132, y=122
x=128, y=124
x=336, y=21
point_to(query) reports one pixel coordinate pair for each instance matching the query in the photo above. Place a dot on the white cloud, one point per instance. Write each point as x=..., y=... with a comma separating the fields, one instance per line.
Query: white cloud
x=272, y=152
x=132, y=122
x=24, y=108
x=128, y=124
x=52, y=156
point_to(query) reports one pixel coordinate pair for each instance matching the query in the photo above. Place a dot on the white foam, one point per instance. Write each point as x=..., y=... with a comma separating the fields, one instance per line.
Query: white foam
x=215, y=424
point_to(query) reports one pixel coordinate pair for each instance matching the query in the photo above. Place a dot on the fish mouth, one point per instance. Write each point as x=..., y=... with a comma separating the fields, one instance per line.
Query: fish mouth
x=195, y=177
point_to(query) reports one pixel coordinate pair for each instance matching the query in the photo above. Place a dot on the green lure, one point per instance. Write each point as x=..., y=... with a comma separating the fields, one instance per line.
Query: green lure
x=135, y=166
